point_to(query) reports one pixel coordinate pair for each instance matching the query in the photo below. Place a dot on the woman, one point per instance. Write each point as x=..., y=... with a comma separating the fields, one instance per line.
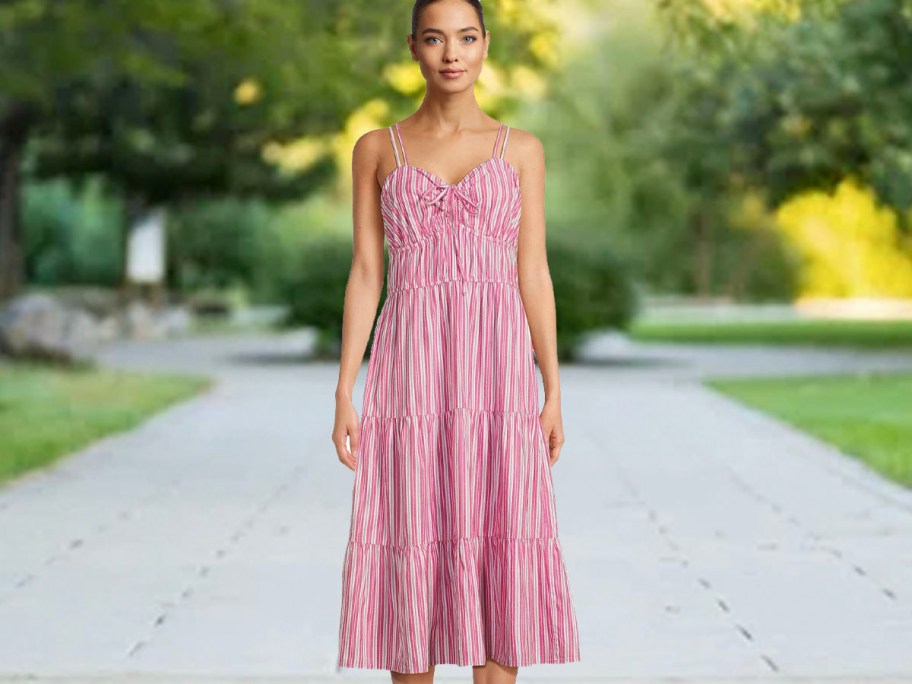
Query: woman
x=453, y=553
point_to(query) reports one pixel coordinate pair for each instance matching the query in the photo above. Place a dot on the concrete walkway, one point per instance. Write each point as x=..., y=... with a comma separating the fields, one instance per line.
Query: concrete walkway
x=705, y=542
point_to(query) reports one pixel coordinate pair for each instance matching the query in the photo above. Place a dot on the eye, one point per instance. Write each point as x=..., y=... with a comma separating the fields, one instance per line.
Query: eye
x=472, y=38
x=431, y=38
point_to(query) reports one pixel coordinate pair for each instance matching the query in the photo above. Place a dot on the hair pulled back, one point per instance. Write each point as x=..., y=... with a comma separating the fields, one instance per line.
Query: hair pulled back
x=421, y=4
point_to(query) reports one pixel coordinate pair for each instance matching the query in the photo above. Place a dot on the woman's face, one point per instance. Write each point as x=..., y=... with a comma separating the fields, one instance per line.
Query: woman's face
x=449, y=45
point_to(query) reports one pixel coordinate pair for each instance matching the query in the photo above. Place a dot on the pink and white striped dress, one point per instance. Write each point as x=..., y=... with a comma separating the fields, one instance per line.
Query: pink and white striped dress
x=453, y=553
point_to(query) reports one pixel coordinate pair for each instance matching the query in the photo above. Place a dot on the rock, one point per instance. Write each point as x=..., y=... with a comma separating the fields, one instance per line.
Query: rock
x=109, y=328
x=98, y=301
x=37, y=326
x=140, y=322
x=176, y=320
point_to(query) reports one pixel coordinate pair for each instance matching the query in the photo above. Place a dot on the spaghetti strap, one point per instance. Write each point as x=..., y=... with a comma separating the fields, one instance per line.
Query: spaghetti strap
x=506, y=138
x=497, y=140
x=395, y=149
x=401, y=144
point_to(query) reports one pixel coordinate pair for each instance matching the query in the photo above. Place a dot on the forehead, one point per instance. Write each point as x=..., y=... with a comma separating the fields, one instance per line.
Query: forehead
x=448, y=15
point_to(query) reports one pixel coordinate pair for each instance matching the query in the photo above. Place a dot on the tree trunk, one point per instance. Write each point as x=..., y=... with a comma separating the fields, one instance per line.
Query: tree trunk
x=703, y=253
x=14, y=131
x=737, y=285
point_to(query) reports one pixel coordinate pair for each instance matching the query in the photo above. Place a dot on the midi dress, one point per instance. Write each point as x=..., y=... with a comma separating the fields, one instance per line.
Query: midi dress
x=453, y=553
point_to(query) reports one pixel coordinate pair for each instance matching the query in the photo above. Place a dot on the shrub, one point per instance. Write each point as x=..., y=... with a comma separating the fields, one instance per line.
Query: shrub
x=315, y=290
x=592, y=290
x=851, y=245
x=216, y=244
x=71, y=234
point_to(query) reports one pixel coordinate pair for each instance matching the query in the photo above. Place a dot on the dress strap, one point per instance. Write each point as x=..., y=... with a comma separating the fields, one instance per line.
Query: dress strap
x=401, y=144
x=506, y=138
x=497, y=140
x=395, y=149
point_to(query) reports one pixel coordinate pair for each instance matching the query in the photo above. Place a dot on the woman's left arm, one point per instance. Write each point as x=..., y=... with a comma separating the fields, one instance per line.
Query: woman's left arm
x=535, y=284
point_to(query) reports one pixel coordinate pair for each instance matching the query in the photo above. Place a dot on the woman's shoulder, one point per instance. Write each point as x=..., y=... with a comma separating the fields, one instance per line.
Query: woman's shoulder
x=370, y=148
x=371, y=141
x=524, y=141
x=524, y=151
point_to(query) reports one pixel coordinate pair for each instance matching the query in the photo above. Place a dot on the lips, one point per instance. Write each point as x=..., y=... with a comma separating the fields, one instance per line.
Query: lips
x=452, y=72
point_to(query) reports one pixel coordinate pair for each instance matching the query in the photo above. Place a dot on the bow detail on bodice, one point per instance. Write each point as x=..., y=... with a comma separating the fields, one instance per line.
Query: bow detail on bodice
x=446, y=198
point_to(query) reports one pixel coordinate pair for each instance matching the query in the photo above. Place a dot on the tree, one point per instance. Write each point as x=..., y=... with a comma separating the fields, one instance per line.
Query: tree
x=789, y=96
x=49, y=49
x=831, y=97
x=818, y=90
x=171, y=100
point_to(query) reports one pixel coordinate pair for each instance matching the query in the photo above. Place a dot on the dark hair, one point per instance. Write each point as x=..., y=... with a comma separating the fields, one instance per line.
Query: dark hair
x=421, y=4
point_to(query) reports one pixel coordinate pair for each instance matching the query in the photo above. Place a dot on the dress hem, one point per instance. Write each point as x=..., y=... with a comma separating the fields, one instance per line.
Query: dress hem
x=462, y=662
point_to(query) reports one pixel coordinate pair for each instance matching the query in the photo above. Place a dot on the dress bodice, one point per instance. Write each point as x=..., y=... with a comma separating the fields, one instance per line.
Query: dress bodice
x=439, y=231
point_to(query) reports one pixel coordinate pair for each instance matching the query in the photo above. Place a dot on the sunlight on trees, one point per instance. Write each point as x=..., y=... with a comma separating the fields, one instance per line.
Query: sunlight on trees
x=742, y=10
x=695, y=139
x=850, y=243
x=247, y=92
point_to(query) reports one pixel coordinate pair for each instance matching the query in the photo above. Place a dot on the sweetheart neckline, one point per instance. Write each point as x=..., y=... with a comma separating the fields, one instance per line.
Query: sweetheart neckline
x=441, y=181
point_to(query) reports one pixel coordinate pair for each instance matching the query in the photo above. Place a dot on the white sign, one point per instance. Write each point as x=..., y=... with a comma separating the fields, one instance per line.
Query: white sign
x=146, y=249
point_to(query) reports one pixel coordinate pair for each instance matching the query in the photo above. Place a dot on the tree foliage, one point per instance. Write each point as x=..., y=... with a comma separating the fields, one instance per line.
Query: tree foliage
x=814, y=92
x=851, y=246
x=674, y=138
x=172, y=100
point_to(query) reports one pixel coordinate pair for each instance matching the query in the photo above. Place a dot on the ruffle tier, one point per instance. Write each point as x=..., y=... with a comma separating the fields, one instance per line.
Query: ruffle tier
x=453, y=552
x=459, y=601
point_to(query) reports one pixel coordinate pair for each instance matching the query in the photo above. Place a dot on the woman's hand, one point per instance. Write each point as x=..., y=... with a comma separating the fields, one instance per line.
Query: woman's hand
x=347, y=425
x=553, y=428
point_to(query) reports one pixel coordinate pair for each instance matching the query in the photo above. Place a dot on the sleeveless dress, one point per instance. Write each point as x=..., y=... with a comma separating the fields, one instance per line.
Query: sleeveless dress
x=453, y=553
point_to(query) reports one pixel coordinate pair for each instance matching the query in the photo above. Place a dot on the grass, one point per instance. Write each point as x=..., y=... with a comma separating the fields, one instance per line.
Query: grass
x=48, y=411
x=870, y=334
x=868, y=416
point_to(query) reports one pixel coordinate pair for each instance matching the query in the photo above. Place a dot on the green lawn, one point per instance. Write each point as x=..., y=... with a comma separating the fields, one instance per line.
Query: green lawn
x=47, y=412
x=866, y=416
x=872, y=334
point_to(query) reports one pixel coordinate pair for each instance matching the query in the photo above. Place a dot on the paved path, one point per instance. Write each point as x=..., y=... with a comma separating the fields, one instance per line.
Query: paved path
x=705, y=542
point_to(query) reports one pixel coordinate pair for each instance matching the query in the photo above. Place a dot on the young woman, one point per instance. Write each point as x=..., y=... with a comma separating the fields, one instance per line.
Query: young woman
x=453, y=552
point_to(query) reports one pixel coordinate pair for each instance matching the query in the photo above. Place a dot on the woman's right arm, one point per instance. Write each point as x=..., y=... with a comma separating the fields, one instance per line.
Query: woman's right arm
x=362, y=293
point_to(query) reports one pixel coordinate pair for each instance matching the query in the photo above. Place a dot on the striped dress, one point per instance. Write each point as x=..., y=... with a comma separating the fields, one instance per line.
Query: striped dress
x=453, y=553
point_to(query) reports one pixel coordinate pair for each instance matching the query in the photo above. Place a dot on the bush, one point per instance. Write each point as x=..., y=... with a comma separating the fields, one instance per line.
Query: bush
x=592, y=290
x=850, y=244
x=216, y=244
x=72, y=234
x=315, y=290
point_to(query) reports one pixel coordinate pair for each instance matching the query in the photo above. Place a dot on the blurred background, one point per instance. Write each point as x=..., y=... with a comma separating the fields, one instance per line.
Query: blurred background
x=193, y=161
x=719, y=171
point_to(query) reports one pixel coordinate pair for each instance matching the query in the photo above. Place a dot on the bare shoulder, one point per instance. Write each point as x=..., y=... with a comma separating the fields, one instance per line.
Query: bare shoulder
x=525, y=150
x=524, y=140
x=369, y=145
x=368, y=155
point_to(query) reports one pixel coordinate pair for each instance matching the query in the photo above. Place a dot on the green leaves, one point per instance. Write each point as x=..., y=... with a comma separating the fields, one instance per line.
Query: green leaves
x=808, y=96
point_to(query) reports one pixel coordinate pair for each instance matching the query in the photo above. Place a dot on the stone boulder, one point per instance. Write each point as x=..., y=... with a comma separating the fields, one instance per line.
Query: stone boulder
x=38, y=327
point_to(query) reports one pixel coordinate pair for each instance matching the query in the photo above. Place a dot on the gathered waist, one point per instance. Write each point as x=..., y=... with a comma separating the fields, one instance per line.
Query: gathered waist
x=461, y=257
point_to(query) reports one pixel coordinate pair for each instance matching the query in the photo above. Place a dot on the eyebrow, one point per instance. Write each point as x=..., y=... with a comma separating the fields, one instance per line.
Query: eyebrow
x=462, y=30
